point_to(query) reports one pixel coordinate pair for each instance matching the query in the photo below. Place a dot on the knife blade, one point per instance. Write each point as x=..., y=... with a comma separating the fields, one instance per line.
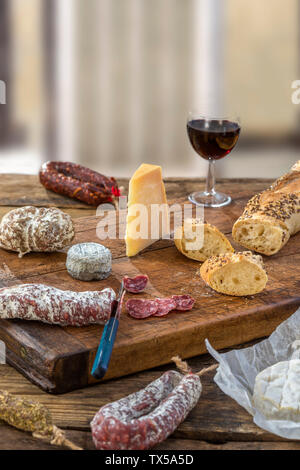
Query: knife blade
x=108, y=337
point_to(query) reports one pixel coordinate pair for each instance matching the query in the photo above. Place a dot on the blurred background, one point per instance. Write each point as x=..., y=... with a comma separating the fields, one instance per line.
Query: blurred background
x=109, y=83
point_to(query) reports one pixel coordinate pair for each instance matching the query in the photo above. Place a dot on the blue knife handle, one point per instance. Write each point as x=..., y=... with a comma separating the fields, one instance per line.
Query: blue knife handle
x=103, y=355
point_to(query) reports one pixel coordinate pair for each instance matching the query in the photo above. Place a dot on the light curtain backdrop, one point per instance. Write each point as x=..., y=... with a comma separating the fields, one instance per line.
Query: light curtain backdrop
x=126, y=72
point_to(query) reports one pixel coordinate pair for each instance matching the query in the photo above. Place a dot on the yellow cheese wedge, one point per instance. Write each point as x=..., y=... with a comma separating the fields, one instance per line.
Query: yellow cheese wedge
x=147, y=218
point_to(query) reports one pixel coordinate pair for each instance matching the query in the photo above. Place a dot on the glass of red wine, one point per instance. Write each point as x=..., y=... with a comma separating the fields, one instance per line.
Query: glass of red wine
x=212, y=138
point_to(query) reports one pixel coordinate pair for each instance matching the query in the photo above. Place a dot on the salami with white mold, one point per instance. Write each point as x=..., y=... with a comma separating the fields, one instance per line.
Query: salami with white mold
x=57, y=307
x=147, y=417
x=40, y=229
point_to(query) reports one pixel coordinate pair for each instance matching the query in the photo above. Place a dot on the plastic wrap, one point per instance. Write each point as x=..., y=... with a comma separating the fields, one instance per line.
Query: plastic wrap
x=238, y=369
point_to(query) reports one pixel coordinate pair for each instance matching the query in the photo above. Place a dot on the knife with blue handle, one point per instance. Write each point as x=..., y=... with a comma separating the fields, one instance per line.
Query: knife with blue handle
x=106, y=345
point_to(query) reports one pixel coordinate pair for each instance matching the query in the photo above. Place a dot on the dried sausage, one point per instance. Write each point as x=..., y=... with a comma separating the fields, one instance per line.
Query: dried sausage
x=147, y=417
x=38, y=229
x=32, y=416
x=79, y=182
x=55, y=306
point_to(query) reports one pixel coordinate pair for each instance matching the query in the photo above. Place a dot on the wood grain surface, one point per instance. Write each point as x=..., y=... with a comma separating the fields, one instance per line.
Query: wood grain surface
x=217, y=422
x=60, y=359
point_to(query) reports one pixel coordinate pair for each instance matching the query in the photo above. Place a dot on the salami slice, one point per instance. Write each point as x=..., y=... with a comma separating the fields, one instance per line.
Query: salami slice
x=144, y=308
x=147, y=417
x=165, y=305
x=141, y=308
x=183, y=302
x=135, y=284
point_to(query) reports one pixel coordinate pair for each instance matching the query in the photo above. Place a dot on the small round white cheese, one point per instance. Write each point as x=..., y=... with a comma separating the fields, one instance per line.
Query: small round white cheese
x=276, y=392
x=89, y=261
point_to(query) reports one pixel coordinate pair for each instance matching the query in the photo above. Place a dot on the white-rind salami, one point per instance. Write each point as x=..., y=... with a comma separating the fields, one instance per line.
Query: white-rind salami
x=55, y=306
x=147, y=417
x=40, y=229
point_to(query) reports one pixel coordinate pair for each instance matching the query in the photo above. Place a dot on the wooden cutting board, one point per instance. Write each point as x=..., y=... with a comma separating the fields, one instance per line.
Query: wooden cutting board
x=60, y=359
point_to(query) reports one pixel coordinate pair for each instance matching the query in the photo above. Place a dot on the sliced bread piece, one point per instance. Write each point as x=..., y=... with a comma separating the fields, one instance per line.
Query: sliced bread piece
x=199, y=241
x=235, y=273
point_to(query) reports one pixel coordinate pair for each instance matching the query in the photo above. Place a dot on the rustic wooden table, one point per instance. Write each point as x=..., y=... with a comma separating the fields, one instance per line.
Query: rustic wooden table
x=217, y=422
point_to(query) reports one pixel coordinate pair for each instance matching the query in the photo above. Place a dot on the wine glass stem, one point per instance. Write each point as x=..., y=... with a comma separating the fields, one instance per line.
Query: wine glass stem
x=210, y=180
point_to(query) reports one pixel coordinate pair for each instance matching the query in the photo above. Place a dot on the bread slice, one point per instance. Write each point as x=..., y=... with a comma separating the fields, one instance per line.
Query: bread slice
x=204, y=239
x=235, y=273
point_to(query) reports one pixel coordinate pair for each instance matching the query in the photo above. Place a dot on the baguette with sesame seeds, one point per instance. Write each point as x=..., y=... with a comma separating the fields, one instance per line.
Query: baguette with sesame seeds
x=271, y=217
x=235, y=273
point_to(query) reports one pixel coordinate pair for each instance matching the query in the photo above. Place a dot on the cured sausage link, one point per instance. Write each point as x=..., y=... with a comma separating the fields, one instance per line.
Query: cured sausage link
x=31, y=416
x=79, y=172
x=79, y=182
x=55, y=306
x=145, y=418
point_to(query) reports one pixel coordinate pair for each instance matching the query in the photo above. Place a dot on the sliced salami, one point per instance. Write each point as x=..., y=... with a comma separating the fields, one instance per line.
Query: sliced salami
x=165, y=305
x=135, y=284
x=141, y=308
x=183, y=302
x=144, y=308
x=147, y=417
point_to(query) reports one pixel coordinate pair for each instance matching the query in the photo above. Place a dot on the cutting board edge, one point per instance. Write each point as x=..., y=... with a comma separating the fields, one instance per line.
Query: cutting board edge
x=192, y=348
x=268, y=319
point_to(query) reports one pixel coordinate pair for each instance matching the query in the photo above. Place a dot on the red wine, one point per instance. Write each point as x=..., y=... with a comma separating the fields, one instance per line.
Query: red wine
x=213, y=139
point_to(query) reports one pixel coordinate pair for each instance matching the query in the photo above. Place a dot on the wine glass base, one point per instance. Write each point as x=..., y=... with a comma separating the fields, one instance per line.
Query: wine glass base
x=209, y=200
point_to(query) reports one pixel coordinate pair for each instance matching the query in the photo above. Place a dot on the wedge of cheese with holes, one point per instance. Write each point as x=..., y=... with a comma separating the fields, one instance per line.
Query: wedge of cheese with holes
x=148, y=215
